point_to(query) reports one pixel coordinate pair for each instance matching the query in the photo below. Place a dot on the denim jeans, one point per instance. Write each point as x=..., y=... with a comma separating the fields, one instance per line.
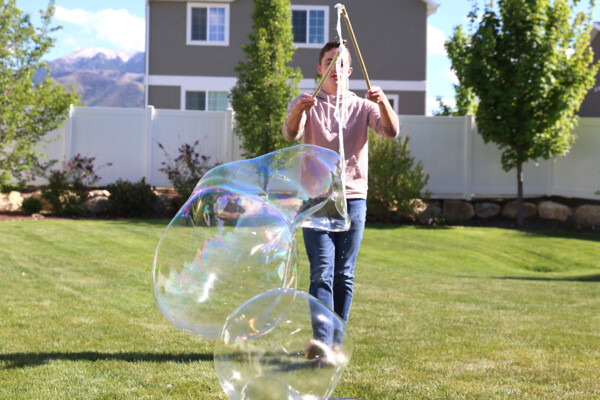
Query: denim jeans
x=332, y=257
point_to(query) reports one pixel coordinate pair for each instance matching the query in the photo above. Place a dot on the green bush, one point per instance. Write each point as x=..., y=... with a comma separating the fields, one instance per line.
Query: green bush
x=64, y=197
x=395, y=179
x=131, y=199
x=31, y=205
x=185, y=170
x=66, y=191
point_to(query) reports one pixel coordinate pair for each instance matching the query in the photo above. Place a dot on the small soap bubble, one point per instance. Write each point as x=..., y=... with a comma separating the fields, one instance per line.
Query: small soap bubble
x=283, y=340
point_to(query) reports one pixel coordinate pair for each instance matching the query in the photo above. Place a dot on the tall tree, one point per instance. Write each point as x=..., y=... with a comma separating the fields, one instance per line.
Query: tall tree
x=27, y=110
x=265, y=83
x=530, y=64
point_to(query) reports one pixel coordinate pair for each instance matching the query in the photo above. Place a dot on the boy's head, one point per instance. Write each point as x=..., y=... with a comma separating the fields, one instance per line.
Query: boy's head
x=334, y=44
x=327, y=55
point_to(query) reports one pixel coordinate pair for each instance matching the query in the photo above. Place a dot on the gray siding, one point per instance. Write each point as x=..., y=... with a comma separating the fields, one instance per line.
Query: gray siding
x=392, y=36
x=165, y=97
x=591, y=104
x=170, y=55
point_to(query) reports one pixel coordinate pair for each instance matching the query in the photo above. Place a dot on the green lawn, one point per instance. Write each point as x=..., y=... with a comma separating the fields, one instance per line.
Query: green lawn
x=439, y=313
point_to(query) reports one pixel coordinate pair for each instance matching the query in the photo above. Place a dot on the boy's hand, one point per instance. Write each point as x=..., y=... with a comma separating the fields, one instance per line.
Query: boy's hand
x=376, y=95
x=305, y=103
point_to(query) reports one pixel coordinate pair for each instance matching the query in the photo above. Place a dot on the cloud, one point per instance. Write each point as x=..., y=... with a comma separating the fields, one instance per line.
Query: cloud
x=433, y=105
x=118, y=27
x=435, y=41
x=450, y=74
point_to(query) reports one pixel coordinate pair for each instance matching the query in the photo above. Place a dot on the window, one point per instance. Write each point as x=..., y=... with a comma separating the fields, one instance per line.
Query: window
x=206, y=101
x=208, y=24
x=310, y=25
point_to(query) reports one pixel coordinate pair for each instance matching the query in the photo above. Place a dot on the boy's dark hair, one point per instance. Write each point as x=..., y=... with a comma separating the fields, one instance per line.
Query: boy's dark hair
x=334, y=44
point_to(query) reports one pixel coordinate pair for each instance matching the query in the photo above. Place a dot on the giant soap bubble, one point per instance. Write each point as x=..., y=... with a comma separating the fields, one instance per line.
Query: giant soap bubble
x=268, y=346
x=235, y=236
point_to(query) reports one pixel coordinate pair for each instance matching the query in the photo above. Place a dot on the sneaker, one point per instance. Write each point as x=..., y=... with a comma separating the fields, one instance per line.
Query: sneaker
x=318, y=352
x=338, y=356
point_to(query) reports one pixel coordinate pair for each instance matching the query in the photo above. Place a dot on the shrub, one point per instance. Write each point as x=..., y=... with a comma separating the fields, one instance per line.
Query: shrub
x=66, y=191
x=185, y=170
x=131, y=199
x=395, y=179
x=31, y=205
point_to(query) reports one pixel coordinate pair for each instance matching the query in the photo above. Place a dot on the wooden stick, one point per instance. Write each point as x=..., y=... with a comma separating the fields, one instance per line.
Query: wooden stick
x=331, y=65
x=360, y=59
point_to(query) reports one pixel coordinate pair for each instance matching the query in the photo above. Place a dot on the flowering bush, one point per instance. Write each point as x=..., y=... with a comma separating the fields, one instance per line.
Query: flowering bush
x=185, y=170
x=66, y=191
x=396, y=179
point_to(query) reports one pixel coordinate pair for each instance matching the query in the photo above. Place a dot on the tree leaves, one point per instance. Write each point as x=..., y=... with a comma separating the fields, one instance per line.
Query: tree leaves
x=28, y=110
x=265, y=83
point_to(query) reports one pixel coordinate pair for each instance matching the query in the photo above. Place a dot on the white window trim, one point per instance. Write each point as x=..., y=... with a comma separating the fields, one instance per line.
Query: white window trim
x=188, y=31
x=395, y=99
x=326, y=27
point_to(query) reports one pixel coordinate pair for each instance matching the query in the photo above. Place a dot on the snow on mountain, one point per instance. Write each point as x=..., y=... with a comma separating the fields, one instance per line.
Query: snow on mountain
x=103, y=77
x=91, y=52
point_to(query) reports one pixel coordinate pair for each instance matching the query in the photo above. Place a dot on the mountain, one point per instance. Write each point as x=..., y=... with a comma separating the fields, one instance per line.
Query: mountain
x=108, y=78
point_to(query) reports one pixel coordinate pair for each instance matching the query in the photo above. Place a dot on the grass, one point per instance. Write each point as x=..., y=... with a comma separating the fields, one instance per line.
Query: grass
x=439, y=313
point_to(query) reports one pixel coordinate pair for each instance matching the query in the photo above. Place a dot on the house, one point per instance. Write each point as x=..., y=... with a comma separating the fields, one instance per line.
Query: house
x=193, y=47
x=591, y=104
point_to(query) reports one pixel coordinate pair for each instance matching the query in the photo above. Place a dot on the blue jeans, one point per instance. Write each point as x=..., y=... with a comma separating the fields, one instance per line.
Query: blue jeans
x=332, y=257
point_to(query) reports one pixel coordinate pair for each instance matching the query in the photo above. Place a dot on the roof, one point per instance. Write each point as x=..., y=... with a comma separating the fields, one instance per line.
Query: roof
x=432, y=6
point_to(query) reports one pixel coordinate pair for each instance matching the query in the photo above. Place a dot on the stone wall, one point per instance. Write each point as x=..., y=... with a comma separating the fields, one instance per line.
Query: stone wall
x=582, y=214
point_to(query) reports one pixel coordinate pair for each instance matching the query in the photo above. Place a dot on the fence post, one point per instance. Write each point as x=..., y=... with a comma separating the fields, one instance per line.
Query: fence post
x=468, y=157
x=68, y=136
x=229, y=142
x=148, y=137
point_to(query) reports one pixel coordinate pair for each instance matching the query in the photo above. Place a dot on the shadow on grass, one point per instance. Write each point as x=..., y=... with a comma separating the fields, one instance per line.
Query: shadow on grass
x=383, y=226
x=20, y=360
x=584, y=278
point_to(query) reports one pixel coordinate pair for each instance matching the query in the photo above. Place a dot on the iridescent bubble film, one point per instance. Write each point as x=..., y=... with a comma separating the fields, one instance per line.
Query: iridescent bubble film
x=235, y=236
x=269, y=345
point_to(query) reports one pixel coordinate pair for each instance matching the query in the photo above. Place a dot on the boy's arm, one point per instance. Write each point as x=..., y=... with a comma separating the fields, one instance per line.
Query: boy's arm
x=389, y=119
x=294, y=123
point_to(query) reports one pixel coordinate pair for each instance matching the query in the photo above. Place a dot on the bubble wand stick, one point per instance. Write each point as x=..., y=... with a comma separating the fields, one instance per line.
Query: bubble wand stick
x=353, y=38
x=331, y=65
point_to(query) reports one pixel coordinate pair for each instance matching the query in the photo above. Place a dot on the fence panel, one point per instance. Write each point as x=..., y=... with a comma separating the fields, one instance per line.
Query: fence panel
x=578, y=173
x=459, y=163
x=439, y=143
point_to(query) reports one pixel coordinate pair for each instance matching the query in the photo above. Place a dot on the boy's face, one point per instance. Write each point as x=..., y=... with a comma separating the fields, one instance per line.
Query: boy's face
x=331, y=83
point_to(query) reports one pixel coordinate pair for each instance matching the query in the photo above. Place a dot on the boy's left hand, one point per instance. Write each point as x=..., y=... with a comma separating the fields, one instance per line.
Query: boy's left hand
x=376, y=95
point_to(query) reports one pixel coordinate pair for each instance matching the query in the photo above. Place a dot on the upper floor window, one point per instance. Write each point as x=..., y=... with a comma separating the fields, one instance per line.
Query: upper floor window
x=310, y=25
x=208, y=24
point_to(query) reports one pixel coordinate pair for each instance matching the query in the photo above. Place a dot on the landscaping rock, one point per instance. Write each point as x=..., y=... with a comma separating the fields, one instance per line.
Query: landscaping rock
x=487, y=210
x=555, y=211
x=588, y=216
x=433, y=210
x=97, y=202
x=11, y=201
x=510, y=210
x=458, y=209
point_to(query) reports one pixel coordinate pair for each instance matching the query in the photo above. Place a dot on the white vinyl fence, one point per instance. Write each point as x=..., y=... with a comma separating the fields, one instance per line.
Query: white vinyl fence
x=459, y=164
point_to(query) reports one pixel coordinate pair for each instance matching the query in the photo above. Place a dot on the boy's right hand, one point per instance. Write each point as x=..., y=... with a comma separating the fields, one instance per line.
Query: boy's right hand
x=305, y=103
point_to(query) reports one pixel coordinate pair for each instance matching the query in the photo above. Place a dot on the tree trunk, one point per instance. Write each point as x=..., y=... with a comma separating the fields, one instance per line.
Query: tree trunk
x=520, y=194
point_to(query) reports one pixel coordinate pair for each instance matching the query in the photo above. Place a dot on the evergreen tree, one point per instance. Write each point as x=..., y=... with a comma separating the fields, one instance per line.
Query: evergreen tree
x=265, y=83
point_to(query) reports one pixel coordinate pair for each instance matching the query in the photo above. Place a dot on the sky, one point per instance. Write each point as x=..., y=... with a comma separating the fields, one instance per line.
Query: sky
x=120, y=25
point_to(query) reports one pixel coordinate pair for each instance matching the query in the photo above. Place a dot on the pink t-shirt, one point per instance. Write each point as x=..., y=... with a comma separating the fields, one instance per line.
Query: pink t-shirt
x=321, y=129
